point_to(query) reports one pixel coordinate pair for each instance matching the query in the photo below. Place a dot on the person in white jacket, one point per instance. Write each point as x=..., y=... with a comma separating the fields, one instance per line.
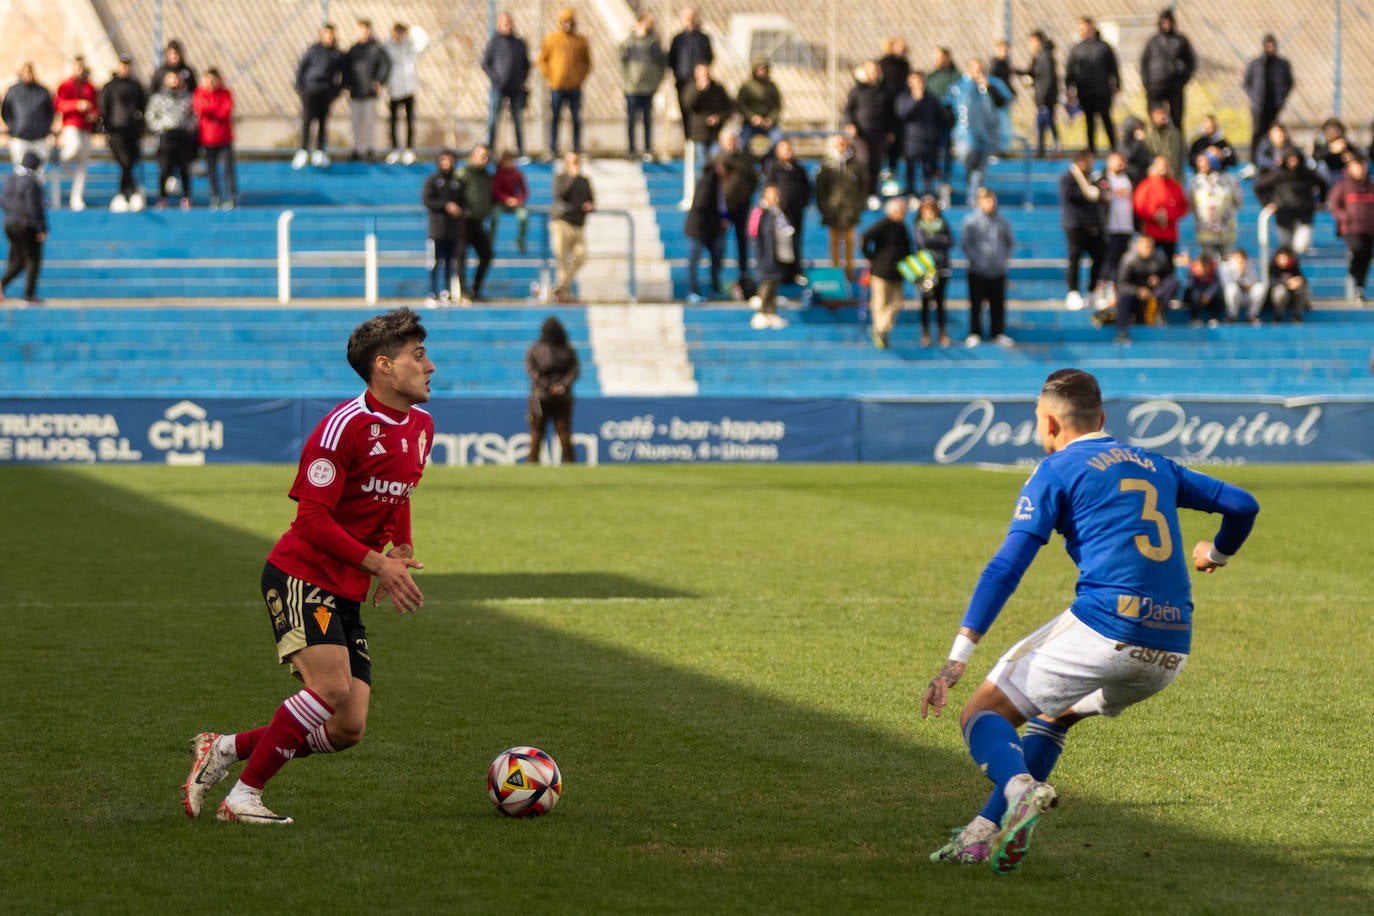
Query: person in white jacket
x=401, y=85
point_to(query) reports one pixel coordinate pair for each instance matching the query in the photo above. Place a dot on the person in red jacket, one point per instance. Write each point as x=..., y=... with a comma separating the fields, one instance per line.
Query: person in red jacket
x=1160, y=203
x=1352, y=205
x=79, y=108
x=214, y=107
x=509, y=191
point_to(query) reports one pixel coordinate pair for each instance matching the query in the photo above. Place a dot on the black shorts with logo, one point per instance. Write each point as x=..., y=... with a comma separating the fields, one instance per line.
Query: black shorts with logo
x=307, y=615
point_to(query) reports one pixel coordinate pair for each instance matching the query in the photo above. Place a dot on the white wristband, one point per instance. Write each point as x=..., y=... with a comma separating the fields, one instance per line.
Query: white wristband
x=962, y=650
x=1217, y=557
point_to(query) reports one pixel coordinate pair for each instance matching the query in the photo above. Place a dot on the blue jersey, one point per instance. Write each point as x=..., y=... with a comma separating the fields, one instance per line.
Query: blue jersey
x=1117, y=507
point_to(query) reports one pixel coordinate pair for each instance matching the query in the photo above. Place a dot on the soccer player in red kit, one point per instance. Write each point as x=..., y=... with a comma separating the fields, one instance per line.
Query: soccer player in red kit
x=353, y=486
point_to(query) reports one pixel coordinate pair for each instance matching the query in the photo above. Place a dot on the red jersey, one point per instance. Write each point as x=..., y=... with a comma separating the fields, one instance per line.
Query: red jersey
x=69, y=93
x=215, y=110
x=356, y=473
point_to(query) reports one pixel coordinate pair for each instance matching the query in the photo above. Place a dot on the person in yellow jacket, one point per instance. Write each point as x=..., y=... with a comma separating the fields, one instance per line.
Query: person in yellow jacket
x=565, y=59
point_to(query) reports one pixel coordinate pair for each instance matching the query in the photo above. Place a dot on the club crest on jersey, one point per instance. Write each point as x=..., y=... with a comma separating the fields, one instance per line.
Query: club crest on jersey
x=1024, y=509
x=422, y=441
x=405, y=446
x=321, y=472
x=375, y=431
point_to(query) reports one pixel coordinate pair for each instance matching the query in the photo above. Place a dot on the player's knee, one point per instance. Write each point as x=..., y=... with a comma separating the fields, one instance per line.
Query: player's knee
x=333, y=691
x=346, y=735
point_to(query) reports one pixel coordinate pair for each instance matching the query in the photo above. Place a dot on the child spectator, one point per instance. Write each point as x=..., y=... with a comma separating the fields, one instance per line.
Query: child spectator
x=509, y=191
x=1288, y=293
x=214, y=106
x=774, y=255
x=1203, y=294
x=1240, y=286
x=934, y=235
x=26, y=224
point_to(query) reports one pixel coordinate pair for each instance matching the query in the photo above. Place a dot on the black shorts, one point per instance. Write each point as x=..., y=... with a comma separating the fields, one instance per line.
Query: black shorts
x=307, y=615
x=554, y=408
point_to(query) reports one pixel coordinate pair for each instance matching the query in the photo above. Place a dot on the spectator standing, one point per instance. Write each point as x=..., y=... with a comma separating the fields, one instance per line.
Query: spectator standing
x=552, y=366
x=794, y=196
x=705, y=228
x=760, y=108
x=1044, y=78
x=1145, y=280
x=171, y=118
x=920, y=135
x=1241, y=287
x=1211, y=139
x=1163, y=138
x=738, y=180
x=1331, y=150
x=214, y=107
x=174, y=59
x=932, y=233
x=1268, y=81
x=478, y=196
x=367, y=67
x=509, y=192
x=775, y=255
x=944, y=74
x=1267, y=155
x=123, y=101
x=1083, y=218
x=26, y=224
x=1000, y=67
x=1120, y=216
x=1134, y=150
x=689, y=49
x=28, y=112
x=572, y=201
x=895, y=70
x=78, y=107
x=1293, y=190
x=319, y=80
x=443, y=196
x=1203, y=294
x=402, y=83
x=885, y=244
x=1166, y=66
x=1092, y=79
x=1288, y=294
x=841, y=185
x=708, y=106
x=866, y=116
x=1160, y=203
x=1215, y=198
x=987, y=241
x=506, y=62
x=565, y=59
x=642, y=65
x=1352, y=205
x=976, y=127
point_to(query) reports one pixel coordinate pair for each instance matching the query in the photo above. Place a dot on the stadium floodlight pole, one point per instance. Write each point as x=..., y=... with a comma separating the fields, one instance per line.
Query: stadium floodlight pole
x=1006, y=21
x=832, y=64
x=157, y=30
x=1336, y=52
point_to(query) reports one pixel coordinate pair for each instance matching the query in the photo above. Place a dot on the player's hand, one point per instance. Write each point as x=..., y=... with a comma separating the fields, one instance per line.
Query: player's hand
x=937, y=691
x=394, y=581
x=1202, y=557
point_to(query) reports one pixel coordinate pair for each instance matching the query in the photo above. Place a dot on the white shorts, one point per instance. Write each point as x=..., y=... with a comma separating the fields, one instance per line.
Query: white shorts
x=1067, y=665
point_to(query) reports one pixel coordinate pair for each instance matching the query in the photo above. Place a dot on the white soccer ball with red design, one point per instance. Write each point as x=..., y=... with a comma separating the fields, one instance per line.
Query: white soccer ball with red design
x=524, y=782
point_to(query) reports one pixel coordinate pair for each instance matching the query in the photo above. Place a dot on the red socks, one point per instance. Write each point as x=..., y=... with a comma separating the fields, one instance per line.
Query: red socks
x=278, y=742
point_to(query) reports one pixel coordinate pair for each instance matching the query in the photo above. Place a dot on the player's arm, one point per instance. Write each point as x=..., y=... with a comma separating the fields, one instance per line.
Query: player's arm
x=316, y=524
x=996, y=584
x=401, y=549
x=1236, y=507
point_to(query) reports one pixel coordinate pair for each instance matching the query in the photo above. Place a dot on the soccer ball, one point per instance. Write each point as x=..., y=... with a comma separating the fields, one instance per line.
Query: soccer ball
x=524, y=782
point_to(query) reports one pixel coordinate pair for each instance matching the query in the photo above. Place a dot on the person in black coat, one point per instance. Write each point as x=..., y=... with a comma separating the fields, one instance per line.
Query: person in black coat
x=688, y=49
x=367, y=67
x=931, y=233
x=319, y=80
x=122, y=101
x=885, y=244
x=1044, y=77
x=552, y=366
x=26, y=225
x=1293, y=190
x=705, y=228
x=1083, y=216
x=1092, y=78
x=895, y=69
x=506, y=62
x=921, y=134
x=794, y=192
x=866, y=120
x=1268, y=81
x=1166, y=66
x=443, y=195
x=28, y=112
x=173, y=59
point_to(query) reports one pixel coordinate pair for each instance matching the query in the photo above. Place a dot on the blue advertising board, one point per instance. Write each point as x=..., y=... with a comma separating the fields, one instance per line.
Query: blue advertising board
x=689, y=430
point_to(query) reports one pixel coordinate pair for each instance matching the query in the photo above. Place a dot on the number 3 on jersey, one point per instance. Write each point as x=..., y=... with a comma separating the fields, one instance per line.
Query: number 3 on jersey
x=1149, y=512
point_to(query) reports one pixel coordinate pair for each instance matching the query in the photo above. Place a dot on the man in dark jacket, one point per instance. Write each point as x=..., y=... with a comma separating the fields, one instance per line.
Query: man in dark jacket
x=705, y=227
x=1268, y=81
x=1166, y=66
x=921, y=133
x=173, y=59
x=1145, y=283
x=1044, y=77
x=26, y=225
x=366, y=68
x=477, y=203
x=1293, y=190
x=1352, y=206
x=1091, y=77
x=688, y=49
x=1083, y=217
x=572, y=201
x=122, y=100
x=794, y=196
x=443, y=196
x=759, y=102
x=866, y=120
x=885, y=244
x=319, y=79
x=738, y=180
x=506, y=62
x=706, y=106
x=28, y=112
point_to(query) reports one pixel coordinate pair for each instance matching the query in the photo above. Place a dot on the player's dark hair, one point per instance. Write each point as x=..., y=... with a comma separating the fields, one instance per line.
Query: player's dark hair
x=385, y=335
x=1078, y=391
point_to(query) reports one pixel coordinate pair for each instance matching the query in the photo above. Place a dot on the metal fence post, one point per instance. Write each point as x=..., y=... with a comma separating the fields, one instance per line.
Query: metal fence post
x=284, y=256
x=370, y=262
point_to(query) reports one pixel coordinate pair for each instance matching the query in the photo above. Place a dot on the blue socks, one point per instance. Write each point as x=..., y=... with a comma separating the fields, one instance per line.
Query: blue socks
x=1040, y=750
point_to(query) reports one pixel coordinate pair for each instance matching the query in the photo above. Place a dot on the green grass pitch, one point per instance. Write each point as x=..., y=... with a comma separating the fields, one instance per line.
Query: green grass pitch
x=726, y=663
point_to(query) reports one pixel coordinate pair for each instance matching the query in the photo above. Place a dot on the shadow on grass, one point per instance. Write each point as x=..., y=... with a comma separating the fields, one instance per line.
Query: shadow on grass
x=685, y=793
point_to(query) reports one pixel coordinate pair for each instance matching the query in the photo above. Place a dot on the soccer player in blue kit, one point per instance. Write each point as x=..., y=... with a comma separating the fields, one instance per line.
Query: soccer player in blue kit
x=1125, y=637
